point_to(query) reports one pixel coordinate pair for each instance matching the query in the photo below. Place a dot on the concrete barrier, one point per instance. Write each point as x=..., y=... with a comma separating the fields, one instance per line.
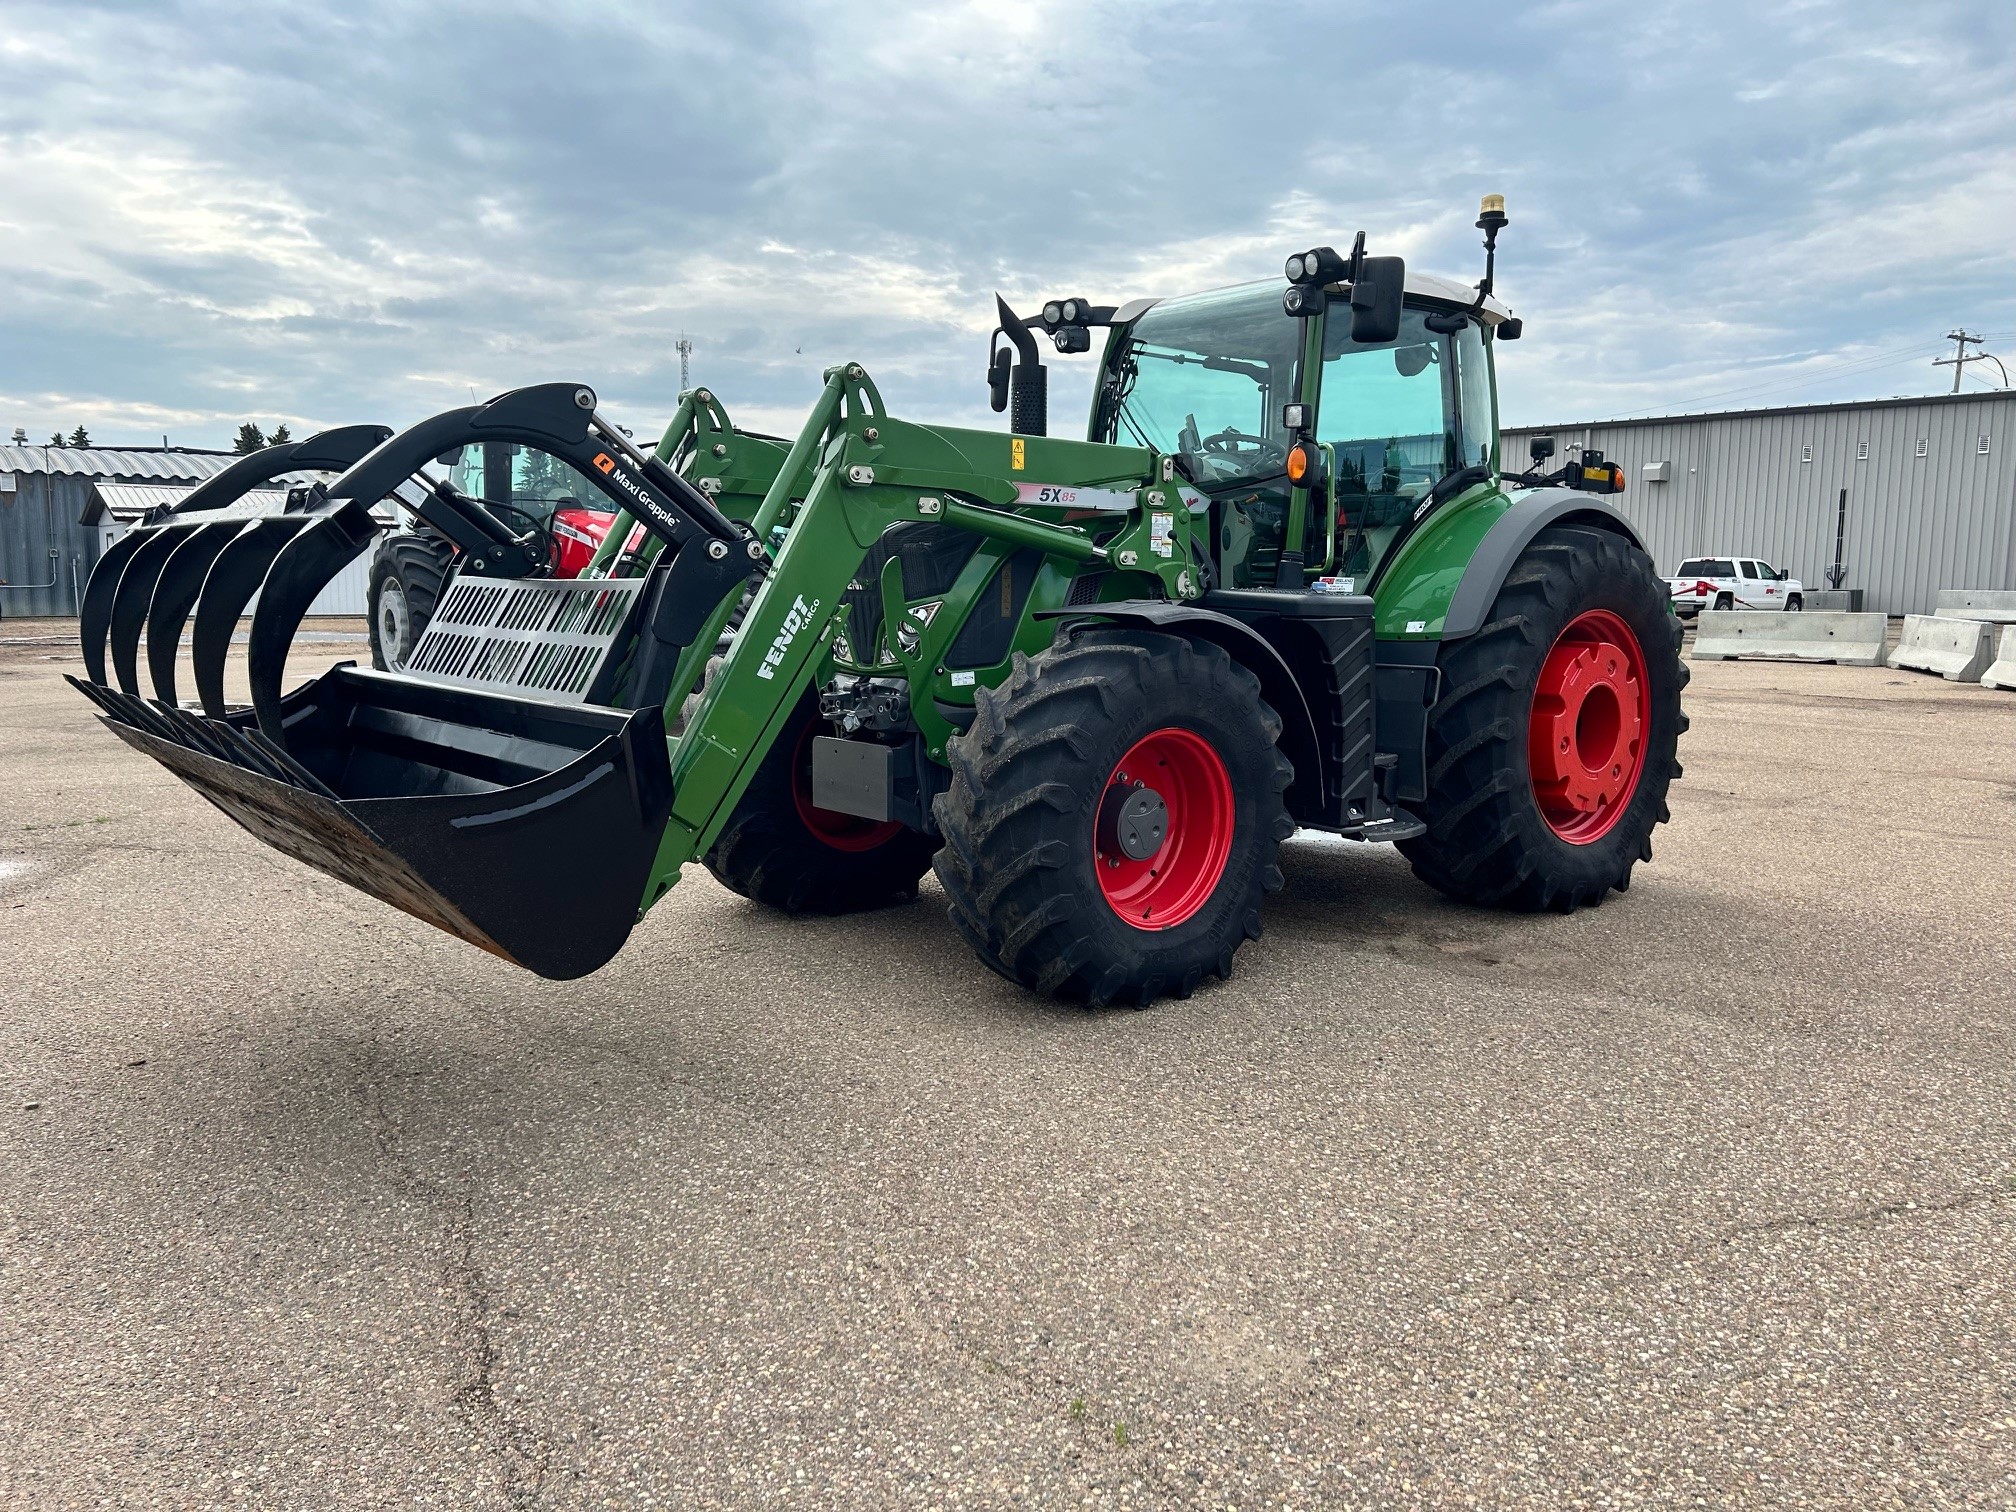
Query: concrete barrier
x=1996, y=605
x=1834, y=601
x=2001, y=672
x=1959, y=650
x=1853, y=640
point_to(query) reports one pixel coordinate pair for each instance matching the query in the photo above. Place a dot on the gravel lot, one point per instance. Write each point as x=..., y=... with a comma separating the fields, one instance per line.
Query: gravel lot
x=1707, y=1197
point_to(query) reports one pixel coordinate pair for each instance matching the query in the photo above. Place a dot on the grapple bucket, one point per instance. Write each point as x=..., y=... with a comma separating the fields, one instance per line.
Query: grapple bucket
x=492, y=791
x=524, y=827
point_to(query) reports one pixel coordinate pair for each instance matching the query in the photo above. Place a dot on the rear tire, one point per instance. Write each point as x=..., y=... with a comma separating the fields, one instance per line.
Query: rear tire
x=407, y=575
x=780, y=850
x=1553, y=744
x=1081, y=885
x=1725, y=601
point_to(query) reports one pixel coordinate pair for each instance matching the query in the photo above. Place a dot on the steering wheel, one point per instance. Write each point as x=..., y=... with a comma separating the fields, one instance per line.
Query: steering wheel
x=1239, y=446
x=542, y=533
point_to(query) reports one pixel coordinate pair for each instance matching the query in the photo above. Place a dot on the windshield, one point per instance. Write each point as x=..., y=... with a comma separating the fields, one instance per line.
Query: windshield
x=1203, y=378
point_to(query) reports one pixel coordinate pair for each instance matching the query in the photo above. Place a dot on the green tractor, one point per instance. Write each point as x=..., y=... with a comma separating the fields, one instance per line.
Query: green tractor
x=1281, y=585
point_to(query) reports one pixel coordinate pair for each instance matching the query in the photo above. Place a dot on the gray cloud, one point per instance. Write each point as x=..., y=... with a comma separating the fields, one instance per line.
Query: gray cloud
x=209, y=212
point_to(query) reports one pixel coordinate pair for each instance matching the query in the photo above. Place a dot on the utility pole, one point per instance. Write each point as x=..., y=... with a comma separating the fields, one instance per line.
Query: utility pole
x=1961, y=357
x=684, y=346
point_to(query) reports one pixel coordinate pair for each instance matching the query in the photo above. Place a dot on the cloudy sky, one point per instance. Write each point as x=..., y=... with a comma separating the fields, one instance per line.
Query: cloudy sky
x=214, y=212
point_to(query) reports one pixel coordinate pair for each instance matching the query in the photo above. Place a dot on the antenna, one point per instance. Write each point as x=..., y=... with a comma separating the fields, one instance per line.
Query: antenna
x=684, y=347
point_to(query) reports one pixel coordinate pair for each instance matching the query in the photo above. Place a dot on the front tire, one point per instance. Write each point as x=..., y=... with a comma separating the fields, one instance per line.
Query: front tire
x=781, y=850
x=407, y=576
x=1553, y=745
x=1794, y=604
x=1115, y=817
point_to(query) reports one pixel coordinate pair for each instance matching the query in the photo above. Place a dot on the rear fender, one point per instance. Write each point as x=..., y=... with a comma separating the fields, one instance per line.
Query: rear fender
x=1445, y=576
x=1511, y=534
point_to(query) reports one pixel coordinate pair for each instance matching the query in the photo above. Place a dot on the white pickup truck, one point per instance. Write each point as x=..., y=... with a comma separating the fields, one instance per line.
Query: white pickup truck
x=1732, y=582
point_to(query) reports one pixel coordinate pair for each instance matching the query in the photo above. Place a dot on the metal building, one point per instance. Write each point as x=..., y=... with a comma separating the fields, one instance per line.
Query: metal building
x=46, y=548
x=61, y=506
x=1931, y=489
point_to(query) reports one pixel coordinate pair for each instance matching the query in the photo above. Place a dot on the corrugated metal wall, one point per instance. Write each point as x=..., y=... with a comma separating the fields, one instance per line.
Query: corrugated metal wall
x=1739, y=486
x=38, y=516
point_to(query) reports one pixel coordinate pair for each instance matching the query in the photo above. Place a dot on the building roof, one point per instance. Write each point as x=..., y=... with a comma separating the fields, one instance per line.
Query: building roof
x=1969, y=397
x=135, y=464
x=126, y=502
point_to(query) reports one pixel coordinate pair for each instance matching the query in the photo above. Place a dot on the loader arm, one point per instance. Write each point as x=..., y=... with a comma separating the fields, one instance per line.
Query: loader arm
x=869, y=472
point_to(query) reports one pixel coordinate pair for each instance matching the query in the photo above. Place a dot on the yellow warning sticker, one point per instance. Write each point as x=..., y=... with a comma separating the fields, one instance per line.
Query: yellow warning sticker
x=1017, y=452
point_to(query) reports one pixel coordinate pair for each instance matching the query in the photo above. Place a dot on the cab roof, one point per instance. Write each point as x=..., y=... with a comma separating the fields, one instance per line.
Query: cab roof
x=1419, y=286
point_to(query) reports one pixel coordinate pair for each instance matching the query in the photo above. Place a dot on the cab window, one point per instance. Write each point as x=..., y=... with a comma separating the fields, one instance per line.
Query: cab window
x=523, y=480
x=1399, y=416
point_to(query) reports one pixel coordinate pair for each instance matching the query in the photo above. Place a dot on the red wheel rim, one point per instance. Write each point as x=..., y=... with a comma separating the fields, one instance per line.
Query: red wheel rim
x=844, y=832
x=1585, y=742
x=1162, y=888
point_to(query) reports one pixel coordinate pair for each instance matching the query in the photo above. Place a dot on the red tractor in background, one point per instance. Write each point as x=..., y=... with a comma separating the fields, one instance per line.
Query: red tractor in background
x=563, y=516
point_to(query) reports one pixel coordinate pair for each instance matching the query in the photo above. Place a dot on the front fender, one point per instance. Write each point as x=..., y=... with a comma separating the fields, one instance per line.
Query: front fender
x=1245, y=645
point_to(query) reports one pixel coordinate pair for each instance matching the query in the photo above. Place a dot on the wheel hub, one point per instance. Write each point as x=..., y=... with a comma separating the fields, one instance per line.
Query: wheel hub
x=1585, y=742
x=1132, y=820
x=393, y=620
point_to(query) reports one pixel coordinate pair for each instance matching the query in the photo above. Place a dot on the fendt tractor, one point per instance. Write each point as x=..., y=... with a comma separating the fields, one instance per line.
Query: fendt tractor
x=1281, y=584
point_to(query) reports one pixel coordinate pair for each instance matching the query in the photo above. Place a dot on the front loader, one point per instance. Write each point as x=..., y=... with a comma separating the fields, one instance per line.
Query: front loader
x=1282, y=584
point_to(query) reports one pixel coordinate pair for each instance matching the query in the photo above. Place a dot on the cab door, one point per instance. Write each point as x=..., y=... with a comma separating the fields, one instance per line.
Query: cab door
x=1771, y=592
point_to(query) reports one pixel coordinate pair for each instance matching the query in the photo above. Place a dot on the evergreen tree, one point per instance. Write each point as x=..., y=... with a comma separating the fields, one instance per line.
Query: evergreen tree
x=80, y=437
x=250, y=439
x=55, y=440
x=281, y=435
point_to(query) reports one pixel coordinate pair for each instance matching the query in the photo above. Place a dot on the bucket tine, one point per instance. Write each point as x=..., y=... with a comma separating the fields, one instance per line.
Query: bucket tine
x=180, y=584
x=94, y=615
x=197, y=735
x=304, y=567
x=131, y=598
x=227, y=588
x=287, y=764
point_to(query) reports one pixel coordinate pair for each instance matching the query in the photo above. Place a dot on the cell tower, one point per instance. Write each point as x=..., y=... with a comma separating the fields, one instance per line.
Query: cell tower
x=684, y=346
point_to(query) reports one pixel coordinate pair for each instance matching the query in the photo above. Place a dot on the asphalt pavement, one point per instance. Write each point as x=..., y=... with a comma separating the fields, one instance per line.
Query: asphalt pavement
x=1703, y=1198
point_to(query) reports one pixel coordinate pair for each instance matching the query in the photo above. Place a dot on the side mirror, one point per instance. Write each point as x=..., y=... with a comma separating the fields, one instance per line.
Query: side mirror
x=1541, y=448
x=1375, y=300
x=997, y=380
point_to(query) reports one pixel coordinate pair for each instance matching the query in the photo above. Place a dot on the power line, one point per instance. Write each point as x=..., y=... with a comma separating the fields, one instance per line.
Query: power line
x=1961, y=357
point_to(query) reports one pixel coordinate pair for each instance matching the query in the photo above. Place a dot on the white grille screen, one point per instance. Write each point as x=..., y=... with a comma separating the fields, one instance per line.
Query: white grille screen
x=543, y=638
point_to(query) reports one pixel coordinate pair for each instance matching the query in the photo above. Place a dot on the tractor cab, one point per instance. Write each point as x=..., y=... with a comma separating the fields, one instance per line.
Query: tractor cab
x=1216, y=380
x=534, y=489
